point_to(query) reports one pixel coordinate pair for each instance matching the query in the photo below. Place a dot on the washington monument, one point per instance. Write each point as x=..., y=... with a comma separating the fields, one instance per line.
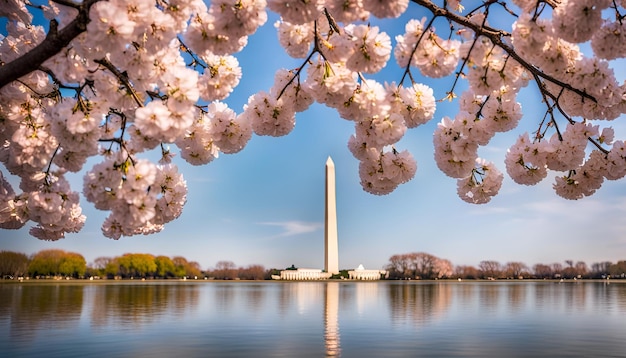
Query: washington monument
x=331, y=252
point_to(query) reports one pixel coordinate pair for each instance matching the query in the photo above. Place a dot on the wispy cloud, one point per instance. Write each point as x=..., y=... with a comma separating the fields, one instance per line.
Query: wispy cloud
x=292, y=228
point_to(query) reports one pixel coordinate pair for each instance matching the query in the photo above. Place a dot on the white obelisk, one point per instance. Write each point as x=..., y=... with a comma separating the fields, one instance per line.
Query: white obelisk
x=331, y=252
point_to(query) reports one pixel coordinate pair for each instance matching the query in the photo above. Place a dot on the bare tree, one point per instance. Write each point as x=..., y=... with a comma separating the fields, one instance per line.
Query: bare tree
x=515, y=269
x=398, y=267
x=423, y=265
x=618, y=269
x=252, y=272
x=557, y=269
x=543, y=271
x=225, y=270
x=490, y=269
x=581, y=269
x=419, y=265
x=13, y=264
x=600, y=269
x=100, y=263
x=466, y=272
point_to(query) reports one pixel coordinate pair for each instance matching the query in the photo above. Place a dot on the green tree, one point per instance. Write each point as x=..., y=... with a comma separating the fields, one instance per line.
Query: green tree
x=143, y=264
x=57, y=262
x=72, y=264
x=46, y=263
x=164, y=267
x=193, y=269
x=185, y=268
x=13, y=264
x=132, y=265
x=139, y=265
x=113, y=268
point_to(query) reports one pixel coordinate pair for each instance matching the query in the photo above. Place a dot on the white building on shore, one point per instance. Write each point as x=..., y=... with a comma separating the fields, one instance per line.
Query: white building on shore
x=360, y=273
x=302, y=274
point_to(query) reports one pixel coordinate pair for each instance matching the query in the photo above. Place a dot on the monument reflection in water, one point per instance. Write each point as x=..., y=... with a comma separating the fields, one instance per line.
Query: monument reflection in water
x=331, y=319
x=312, y=319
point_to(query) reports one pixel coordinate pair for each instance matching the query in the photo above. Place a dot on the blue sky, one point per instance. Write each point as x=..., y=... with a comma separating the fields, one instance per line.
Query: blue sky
x=265, y=205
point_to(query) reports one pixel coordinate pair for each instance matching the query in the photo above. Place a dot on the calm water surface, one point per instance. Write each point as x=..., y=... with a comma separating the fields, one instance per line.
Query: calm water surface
x=313, y=319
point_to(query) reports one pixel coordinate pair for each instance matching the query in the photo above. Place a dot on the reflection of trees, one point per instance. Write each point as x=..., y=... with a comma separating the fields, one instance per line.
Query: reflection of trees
x=224, y=296
x=516, y=296
x=418, y=303
x=613, y=297
x=138, y=304
x=35, y=307
x=568, y=296
x=497, y=297
x=488, y=297
x=255, y=297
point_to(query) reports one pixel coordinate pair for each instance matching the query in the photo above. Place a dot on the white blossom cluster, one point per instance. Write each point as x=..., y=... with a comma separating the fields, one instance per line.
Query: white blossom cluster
x=551, y=46
x=147, y=74
x=131, y=89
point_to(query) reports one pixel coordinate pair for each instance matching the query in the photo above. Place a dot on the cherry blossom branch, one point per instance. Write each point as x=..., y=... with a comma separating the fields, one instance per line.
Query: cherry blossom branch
x=196, y=61
x=123, y=78
x=316, y=49
x=495, y=36
x=506, y=8
x=618, y=15
x=466, y=59
x=407, y=70
x=331, y=22
x=54, y=42
x=485, y=4
x=545, y=93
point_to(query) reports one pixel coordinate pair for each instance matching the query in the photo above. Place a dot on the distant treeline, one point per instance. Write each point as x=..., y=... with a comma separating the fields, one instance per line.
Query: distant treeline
x=59, y=263
x=417, y=265
x=421, y=265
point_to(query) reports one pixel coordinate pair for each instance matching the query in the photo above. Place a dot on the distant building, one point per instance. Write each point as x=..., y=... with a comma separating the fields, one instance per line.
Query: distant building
x=331, y=251
x=302, y=274
x=360, y=273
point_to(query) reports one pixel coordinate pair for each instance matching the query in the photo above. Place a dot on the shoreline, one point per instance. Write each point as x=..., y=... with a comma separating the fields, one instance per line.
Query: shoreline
x=198, y=281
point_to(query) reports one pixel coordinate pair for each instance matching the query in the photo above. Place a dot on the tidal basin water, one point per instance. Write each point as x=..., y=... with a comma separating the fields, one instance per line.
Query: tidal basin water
x=313, y=319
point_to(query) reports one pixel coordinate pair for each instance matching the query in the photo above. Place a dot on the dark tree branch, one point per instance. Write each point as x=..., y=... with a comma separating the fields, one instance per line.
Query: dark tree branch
x=123, y=78
x=54, y=42
x=68, y=3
